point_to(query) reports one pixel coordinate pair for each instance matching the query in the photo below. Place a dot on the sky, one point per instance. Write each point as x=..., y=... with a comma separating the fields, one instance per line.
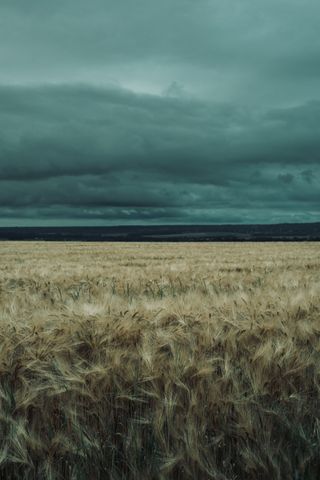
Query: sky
x=116, y=112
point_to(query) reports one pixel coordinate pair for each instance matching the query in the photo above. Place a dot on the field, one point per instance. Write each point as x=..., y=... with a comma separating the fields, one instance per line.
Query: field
x=160, y=361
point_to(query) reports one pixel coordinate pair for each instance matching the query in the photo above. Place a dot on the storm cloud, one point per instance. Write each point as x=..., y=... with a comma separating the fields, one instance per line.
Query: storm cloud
x=161, y=112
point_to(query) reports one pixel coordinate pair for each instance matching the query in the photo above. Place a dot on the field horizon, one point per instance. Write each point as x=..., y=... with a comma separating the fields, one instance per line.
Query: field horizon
x=168, y=233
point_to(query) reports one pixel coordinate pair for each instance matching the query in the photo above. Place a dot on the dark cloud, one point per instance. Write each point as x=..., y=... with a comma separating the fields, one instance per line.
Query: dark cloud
x=172, y=111
x=308, y=176
x=286, y=178
x=100, y=154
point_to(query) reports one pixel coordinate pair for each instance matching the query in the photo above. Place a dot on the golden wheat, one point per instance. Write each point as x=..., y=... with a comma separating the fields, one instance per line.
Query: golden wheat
x=159, y=361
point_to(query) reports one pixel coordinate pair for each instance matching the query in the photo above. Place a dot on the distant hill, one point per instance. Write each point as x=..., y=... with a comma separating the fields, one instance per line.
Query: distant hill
x=168, y=233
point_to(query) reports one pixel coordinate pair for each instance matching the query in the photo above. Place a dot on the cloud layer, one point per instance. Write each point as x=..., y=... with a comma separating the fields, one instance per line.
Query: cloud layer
x=161, y=112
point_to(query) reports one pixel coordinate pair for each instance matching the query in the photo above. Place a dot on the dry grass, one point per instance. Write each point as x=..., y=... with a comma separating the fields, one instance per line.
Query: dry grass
x=159, y=361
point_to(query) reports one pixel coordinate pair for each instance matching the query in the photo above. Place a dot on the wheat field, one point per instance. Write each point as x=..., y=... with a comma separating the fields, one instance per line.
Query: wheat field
x=160, y=361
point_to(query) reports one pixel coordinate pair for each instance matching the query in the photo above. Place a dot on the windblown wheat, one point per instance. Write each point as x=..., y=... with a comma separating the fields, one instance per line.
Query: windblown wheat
x=159, y=361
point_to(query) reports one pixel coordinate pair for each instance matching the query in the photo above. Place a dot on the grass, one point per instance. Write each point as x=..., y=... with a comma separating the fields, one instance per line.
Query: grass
x=159, y=361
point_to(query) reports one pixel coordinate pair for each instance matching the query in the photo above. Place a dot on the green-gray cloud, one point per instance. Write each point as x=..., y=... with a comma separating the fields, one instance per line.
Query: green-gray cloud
x=88, y=150
x=172, y=111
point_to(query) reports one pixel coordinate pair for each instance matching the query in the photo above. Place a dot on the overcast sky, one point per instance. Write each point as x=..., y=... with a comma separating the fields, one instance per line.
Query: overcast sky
x=149, y=111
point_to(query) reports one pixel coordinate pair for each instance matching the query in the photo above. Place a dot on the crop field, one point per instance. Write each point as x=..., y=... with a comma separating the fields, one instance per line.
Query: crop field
x=159, y=361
